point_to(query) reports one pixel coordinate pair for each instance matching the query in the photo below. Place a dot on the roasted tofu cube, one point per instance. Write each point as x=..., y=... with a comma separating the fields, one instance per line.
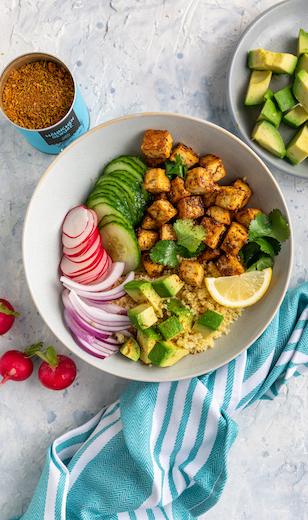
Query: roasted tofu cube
x=199, y=181
x=245, y=216
x=229, y=265
x=162, y=211
x=209, y=254
x=230, y=197
x=156, y=180
x=239, y=183
x=210, y=198
x=178, y=190
x=191, y=272
x=147, y=238
x=152, y=268
x=214, y=165
x=215, y=232
x=190, y=158
x=236, y=237
x=167, y=232
x=190, y=207
x=219, y=214
x=157, y=144
x=160, y=196
x=148, y=222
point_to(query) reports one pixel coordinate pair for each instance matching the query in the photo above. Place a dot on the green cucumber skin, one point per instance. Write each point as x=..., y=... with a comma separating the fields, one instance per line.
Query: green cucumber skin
x=127, y=238
x=125, y=164
x=113, y=190
x=113, y=202
x=135, y=205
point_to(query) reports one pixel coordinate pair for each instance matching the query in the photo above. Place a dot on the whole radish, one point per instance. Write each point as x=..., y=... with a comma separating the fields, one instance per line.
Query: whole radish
x=57, y=372
x=16, y=365
x=7, y=316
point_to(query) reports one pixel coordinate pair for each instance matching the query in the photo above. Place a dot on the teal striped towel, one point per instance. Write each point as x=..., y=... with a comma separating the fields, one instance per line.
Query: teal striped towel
x=160, y=452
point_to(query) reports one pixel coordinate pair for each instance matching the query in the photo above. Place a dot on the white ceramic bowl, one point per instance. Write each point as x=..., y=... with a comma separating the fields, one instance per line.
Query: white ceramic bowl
x=69, y=180
x=276, y=29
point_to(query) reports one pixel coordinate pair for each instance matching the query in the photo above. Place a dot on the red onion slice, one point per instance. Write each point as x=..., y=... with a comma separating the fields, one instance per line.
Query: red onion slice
x=112, y=275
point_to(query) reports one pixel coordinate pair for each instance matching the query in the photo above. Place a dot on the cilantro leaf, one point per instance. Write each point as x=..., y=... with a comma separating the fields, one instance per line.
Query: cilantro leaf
x=188, y=234
x=185, y=253
x=176, y=167
x=268, y=245
x=259, y=227
x=263, y=262
x=249, y=253
x=280, y=229
x=165, y=253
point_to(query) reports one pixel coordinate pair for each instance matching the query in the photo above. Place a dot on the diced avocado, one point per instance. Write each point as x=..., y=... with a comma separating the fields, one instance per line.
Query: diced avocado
x=170, y=327
x=269, y=138
x=141, y=291
x=131, y=349
x=297, y=149
x=166, y=353
x=257, y=87
x=300, y=88
x=208, y=323
x=142, y=316
x=271, y=113
x=302, y=42
x=295, y=117
x=302, y=63
x=285, y=99
x=269, y=94
x=147, y=339
x=185, y=316
x=277, y=62
x=168, y=285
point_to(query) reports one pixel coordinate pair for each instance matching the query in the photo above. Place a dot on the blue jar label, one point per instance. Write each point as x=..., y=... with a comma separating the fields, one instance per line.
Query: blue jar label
x=63, y=130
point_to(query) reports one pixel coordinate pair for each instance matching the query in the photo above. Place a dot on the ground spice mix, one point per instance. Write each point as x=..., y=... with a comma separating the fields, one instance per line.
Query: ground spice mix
x=38, y=95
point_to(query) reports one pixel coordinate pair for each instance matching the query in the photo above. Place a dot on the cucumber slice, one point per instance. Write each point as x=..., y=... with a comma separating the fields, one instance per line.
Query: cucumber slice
x=105, y=208
x=111, y=200
x=112, y=217
x=137, y=160
x=133, y=181
x=121, y=244
x=134, y=196
x=114, y=189
x=125, y=164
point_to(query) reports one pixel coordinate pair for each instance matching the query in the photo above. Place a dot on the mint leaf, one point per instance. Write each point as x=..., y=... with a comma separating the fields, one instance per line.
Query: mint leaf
x=176, y=167
x=188, y=234
x=165, y=253
x=280, y=228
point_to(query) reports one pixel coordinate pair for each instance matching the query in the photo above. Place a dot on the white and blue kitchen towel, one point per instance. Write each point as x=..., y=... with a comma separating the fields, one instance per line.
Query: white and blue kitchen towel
x=160, y=452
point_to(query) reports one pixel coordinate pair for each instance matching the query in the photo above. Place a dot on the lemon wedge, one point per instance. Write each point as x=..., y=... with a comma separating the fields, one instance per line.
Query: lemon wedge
x=239, y=290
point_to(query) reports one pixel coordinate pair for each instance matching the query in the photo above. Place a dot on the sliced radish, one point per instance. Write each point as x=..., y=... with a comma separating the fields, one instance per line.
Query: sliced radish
x=75, y=221
x=69, y=267
x=90, y=228
x=91, y=276
x=83, y=247
x=87, y=253
x=94, y=215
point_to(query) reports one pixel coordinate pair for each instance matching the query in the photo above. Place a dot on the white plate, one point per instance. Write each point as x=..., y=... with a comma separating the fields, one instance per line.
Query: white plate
x=276, y=30
x=68, y=182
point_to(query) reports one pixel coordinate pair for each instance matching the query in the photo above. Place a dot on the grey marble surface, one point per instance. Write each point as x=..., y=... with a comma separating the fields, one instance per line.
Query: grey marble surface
x=135, y=56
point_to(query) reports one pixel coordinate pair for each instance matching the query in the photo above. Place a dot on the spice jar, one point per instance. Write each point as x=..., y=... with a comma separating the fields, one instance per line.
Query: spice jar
x=39, y=96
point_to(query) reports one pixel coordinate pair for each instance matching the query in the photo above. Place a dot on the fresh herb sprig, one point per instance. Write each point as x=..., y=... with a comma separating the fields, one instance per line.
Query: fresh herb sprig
x=176, y=167
x=265, y=234
x=189, y=244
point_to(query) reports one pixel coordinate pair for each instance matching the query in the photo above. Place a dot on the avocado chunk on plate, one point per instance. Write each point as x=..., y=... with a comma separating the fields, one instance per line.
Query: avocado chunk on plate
x=147, y=339
x=131, y=349
x=300, y=88
x=170, y=327
x=208, y=323
x=141, y=291
x=257, y=87
x=297, y=149
x=271, y=113
x=285, y=99
x=142, y=316
x=184, y=315
x=168, y=285
x=277, y=62
x=269, y=138
x=166, y=353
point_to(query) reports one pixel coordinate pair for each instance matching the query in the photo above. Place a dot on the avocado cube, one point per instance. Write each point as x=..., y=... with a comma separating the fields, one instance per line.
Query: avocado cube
x=302, y=63
x=208, y=323
x=170, y=327
x=257, y=87
x=295, y=117
x=297, y=149
x=269, y=94
x=147, y=339
x=300, y=88
x=166, y=353
x=277, y=62
x=271, y=113
x=185, y=316
x=168, y=285
x=269, y=138
x=285, y=99
x=142, y=316
x=302, y=42
x=141, y=291
x=130, y=349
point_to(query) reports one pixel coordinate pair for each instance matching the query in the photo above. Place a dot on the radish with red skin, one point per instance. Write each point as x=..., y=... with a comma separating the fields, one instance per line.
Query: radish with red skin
x=87, y=233
x=75, y=222
x=57, y=372
x=16, y=365
x=7, y=316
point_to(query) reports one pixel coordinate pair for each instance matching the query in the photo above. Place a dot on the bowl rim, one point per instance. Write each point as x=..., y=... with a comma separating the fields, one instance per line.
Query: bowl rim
x=91, y=359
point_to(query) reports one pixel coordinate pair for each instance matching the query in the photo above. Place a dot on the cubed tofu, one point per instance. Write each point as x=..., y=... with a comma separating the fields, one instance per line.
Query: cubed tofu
x=157, y=144
x=199, y=181
x=160, y=196
x=167, y=232
x=236, y=237
x=191, y=272
x=239, y=183
x=229, y=265
x=219, y=214
x=190, y=158
x=190, y=207
x=148, y=222
x=215, y=232
x=214, y=165
x=162, y=211
x=245, y=216
x=230, y=197
x=178, y=190
x=210, y=198
x=209, y=254
x=156, y=180
x=152, y=268
x=147, y=238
